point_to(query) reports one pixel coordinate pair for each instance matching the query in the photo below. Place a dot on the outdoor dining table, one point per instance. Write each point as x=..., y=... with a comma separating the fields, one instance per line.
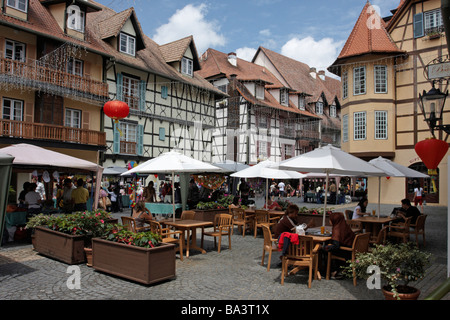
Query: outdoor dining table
x=373, y=224
x=186, y=225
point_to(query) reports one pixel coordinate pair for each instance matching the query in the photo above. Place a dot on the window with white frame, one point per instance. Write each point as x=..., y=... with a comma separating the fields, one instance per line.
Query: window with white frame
x=333, y=111
x=263, y=150
x=75, y=67
x=359, y=80
x=187, y=66
x=359, y=126
x=301, y=103
x=128, y=139
x=262, y=121
x=381, y=79
x=259, y=92
x=381, y=125
x=127, y=44
x=131, y=92
x=433, y=21
x=284, y=97
x=15, y=50
x=345, y=85
x=345, y=128
x=21, y=5
x=319, y=107
x=73, y=118
x=12, y=109
x=288, y=148
x=76, y=18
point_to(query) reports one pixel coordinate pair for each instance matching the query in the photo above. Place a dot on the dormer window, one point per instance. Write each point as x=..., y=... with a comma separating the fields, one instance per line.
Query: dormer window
x=21, y=5
x=319, y=108
x=301, y=103
x=333, y=111
x=127, y=44
x=187, y=66
x=75, y=18
x=284, y=97
x=259, y=92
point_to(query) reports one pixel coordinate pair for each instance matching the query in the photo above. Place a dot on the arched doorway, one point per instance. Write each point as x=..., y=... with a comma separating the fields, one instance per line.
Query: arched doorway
x=431, y=189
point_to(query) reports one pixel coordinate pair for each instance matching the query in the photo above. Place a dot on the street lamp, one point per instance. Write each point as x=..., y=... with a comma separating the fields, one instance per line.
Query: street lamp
x=432, y=105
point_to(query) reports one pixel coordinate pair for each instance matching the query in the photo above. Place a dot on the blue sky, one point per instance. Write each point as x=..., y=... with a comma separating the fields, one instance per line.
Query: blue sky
x=313, y=32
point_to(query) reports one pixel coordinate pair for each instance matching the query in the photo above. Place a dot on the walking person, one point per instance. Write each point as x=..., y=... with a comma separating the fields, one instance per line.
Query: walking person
x=418, y=197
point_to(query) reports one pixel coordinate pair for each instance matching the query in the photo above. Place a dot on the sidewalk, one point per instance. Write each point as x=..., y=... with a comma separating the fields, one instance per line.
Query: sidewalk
x=234, y=274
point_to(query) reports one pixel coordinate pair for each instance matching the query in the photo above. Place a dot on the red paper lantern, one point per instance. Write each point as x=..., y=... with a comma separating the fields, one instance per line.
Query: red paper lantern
x=431, y=151
x=116, y=109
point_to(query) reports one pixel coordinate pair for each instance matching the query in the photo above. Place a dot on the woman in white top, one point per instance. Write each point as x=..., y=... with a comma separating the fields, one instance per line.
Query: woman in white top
x=360, y=210
x=418, y=197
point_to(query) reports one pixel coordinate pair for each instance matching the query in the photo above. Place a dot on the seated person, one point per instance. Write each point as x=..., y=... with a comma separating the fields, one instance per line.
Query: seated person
x=341, y=235
x=408, y=211
x=141, y=214
x=360, y=210
x=272, y=205
x=288, y=223
x=235, y=203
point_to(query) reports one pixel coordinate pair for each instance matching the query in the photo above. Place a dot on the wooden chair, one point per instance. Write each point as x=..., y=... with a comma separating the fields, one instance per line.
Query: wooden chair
x=360, y=244
x=356, y=226
x=262, y=217
x=419, y=228
x=168, y=236
x=348, y=214
x=270, y=245
x=130, y=224
x=223, y=226
x=400, y=230
x=381, y=238
x=241, y=219
x=188, y=215
x=303, y=254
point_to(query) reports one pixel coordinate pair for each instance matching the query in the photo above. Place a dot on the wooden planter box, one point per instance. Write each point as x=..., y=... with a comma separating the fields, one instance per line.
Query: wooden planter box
x=60, y=246
x=143, y=265
x=208, y=215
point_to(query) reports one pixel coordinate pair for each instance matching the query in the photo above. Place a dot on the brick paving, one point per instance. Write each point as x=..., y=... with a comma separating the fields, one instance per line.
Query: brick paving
x=234, y=274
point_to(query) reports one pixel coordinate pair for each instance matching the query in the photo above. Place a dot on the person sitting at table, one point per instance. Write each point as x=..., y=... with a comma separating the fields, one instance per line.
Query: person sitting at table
x=360, y=210
x=22, y=194
x=408, y=211
x=193, y=195
x=235, y=203
x=141, y=214
x=149, y=193
x=272, y=205
x=33, y=200
x=341, y=235
x=287, y=225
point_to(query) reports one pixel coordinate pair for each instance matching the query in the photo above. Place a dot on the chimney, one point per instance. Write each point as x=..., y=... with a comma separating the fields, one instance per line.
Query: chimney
x=322, y=75
x=313, y=72
x=232, y=59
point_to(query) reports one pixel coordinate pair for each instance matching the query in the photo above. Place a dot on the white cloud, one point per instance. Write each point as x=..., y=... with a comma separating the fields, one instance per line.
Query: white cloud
x=265, y=33
x=191, y=20
x=318, y=54
x=246, y=53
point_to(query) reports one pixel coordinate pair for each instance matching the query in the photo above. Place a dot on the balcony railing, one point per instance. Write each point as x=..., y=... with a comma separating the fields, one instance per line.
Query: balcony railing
x=127, y=147
x=308, y=134
x=33, y=74
x=38, y=131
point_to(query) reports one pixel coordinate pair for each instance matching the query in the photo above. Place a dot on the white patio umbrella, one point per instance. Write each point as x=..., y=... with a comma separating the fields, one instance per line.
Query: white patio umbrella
x=393, y=169
x=229, y=166
x=173, y=163
x=330, y=160
x=267, y=169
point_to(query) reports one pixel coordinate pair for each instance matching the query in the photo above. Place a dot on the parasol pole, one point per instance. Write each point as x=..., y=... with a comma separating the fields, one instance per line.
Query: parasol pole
x=173, y=194
x=267, y=193
x=379, y=197
x=326, y=198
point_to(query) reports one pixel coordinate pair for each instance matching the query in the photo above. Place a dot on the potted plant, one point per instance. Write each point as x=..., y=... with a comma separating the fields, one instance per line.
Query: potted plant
x=141, y=257
x=64, y=237
x=398, y=264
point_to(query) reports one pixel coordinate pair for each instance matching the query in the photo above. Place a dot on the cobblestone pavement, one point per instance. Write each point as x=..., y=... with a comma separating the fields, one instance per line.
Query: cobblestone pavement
x=234, y=274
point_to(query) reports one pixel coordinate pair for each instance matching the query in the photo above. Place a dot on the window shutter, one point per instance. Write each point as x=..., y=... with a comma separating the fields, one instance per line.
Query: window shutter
x=116, y=142
x=142, y=95
x=119, y=87
x=140, y=140
x=164, y=92
x=418, y=25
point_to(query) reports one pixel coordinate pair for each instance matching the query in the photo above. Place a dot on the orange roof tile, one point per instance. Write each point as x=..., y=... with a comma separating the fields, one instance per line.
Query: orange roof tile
x=368, y=36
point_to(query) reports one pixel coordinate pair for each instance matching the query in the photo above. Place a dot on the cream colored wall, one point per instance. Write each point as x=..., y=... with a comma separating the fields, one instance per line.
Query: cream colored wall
x=58, y=11
x=20, y=36
x=128, y=28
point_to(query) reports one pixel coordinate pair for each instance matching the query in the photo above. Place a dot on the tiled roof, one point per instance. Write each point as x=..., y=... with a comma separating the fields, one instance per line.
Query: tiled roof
x=98, y=25
x=367, y=37
x=297, y=75
x=175, y=50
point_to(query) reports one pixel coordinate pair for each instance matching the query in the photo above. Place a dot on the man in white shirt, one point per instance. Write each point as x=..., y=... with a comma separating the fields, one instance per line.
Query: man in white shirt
x=281, y=189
